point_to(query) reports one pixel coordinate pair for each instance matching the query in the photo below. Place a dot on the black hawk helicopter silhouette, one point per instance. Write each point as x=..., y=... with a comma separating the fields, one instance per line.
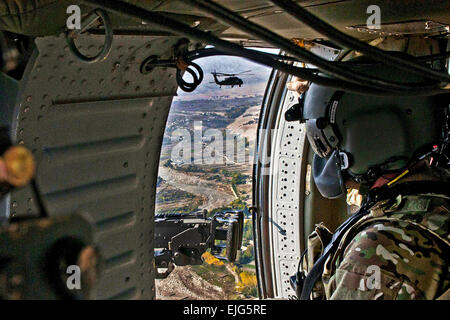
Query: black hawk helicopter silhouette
x=231, y=79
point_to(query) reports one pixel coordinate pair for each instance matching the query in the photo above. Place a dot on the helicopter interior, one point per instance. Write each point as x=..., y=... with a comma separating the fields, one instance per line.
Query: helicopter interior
x=91, y=106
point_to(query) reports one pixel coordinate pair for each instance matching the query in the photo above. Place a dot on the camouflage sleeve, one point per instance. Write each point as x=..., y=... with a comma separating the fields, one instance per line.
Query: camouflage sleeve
x=391, y=261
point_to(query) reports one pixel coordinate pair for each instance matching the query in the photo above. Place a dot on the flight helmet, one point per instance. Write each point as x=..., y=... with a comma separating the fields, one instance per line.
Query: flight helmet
x=362, y=137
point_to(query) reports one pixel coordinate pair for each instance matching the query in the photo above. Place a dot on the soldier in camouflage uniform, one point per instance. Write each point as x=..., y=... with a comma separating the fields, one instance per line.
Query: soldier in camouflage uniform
x=398, y=247
x=398, y=251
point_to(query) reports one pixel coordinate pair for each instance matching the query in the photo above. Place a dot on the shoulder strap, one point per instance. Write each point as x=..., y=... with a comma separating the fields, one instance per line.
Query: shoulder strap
x=317, y=269
x=407, y=188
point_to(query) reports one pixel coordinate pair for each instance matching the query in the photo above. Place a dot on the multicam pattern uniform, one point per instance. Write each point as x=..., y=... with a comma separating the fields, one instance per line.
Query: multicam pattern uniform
x=399, y=251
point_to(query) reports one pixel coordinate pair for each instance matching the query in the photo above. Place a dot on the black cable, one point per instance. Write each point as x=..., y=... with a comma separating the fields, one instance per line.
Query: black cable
x=183, y=85
x=208, y=52
x=153, y=62
x=347, y=41
x=176, y=27
x=232, y=48
x=192, y=68
x=331, y=68
x=197, y=79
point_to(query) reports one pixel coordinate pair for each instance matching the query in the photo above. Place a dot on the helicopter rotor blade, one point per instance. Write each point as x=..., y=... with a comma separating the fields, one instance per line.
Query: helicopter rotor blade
x=232, y=74
x=244, y=72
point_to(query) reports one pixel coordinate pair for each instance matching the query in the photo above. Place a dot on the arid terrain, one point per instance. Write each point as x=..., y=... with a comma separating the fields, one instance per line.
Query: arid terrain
x=188, y=186
x=188, y=182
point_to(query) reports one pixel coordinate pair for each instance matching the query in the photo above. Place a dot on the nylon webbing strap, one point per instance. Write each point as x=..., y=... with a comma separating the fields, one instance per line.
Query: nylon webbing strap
x=317, y=269
x=407, y=188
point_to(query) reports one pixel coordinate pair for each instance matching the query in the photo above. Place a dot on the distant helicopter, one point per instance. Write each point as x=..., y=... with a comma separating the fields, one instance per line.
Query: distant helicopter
x=231, y=79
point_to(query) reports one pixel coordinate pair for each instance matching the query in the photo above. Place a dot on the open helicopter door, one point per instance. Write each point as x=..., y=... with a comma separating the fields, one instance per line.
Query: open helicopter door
x=286, y=201
x=95, y=131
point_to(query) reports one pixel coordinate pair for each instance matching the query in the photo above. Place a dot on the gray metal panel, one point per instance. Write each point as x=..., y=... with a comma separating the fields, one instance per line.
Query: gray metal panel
x=96, y=132
x=285, y=202
x=339, y=13
x=287, y=188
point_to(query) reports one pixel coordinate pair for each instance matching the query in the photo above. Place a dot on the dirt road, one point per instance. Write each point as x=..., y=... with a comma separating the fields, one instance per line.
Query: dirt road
x=184, y=284
x=235, y=275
